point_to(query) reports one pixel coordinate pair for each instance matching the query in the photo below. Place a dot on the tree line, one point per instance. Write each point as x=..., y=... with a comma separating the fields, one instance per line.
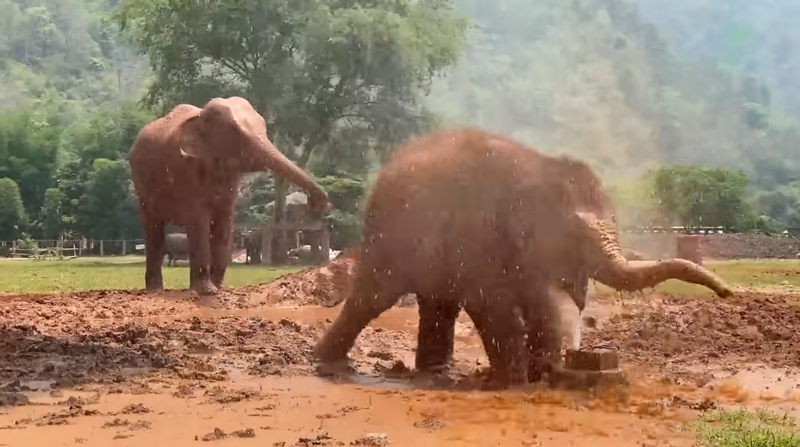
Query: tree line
x=341, y=83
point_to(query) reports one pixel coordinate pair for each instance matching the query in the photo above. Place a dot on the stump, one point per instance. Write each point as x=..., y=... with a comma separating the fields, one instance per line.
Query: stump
x=590, y=369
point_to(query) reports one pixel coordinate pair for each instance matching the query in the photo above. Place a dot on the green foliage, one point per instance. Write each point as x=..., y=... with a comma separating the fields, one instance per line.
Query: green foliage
x=12, y=211
x=346, y=195
x=106, y=205
x=696, y=196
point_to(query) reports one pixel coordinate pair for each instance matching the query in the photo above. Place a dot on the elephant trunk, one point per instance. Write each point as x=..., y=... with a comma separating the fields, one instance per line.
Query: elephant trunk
x=613, y=270
x=269, y=158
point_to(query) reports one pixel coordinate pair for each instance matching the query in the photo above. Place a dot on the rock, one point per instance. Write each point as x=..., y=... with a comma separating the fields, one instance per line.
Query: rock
x=595, y=360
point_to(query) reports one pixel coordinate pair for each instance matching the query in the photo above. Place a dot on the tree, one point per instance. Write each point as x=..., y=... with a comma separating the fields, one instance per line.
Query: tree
x=106, y=210
x=312, y=68
x=50, y=218
x=12, y=212
x=698, y=196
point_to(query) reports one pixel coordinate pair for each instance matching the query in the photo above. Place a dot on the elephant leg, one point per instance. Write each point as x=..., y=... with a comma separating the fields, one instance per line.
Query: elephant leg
x=543, y=317
x=503, y=337
x=436, y=336
x=221, y=234
x=368, y=298
x=154, y=255
x=200, y=257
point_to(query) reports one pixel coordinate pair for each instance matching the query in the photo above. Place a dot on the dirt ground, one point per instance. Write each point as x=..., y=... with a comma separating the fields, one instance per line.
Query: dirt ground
x=120, y=368
x=718, y=246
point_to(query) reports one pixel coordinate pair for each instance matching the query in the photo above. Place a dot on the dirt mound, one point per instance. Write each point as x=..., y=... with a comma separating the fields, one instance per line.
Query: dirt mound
x=749, y=246
x=718, y=246
x=758, y=327
x=323, y=286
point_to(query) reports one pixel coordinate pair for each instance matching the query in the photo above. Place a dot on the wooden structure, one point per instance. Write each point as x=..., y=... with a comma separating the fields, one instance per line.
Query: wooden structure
x=296, y=220
x=320, y=240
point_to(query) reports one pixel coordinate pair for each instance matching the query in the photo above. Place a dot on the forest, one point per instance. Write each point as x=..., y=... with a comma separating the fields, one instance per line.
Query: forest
x=682, y=134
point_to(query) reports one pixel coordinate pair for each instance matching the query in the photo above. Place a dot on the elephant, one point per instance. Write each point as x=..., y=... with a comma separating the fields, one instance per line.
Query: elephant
x=186, y=168
x=176, y=246
x=466, y=218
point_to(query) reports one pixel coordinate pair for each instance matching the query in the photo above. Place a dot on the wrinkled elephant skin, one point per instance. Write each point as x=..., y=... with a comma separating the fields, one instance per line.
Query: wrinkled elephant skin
x=186, y=169
x=468, y=218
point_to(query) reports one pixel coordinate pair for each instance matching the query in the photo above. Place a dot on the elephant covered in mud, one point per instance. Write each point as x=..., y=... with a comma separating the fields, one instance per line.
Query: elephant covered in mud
x=176, y=246
x=186, y=168
x=466, y=218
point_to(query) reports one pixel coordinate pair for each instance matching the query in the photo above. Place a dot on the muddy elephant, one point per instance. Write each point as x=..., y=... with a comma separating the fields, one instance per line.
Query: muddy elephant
x=466, y=218
x=176, y=246
x=186, y=168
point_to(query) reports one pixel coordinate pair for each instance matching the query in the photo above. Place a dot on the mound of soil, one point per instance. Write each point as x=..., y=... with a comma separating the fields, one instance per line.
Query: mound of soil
x=718, y=246
x=756, y=326
x=323, y=286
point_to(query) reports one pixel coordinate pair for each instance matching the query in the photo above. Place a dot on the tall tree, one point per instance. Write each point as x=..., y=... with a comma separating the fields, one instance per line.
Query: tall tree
x=12, y=212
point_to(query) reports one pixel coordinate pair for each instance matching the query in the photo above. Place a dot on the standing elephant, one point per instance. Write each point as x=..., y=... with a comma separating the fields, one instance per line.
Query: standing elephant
x=176, y=246
x=186, y=168
x=468, y=218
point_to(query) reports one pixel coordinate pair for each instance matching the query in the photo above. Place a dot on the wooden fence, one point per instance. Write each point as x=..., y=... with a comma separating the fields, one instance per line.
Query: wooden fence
x=72, y=248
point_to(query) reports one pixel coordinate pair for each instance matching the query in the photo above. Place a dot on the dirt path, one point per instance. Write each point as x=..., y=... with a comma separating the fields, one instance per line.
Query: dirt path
x=115, y=368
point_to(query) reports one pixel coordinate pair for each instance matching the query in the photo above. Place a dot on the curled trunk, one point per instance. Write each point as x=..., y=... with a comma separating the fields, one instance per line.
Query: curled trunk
x=613, y=270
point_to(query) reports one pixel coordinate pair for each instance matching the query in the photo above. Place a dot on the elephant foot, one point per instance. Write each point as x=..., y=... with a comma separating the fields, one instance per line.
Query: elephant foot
x=154, y=289
x=154, y=285
x=205, y=288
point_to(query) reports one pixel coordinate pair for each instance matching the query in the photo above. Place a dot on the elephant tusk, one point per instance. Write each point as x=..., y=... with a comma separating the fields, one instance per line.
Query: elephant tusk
x=184, y=153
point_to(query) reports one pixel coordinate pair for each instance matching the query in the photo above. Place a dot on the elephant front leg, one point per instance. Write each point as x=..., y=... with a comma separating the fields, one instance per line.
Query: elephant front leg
x=543, y=318
x=154, y=254
x=221, y=234
x=369, y=297
x=436, y=337
x=200, y=258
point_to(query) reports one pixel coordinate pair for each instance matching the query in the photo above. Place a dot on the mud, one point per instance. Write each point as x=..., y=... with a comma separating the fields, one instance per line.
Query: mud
x=125, y=368
x=717, y=246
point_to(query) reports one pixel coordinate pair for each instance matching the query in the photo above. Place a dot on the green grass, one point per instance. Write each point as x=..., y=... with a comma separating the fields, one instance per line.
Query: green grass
x=751, y=273
x=743, y=428
x=125, y=272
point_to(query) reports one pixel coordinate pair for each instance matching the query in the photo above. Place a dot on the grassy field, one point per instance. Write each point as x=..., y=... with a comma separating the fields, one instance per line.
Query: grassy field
x=743, y=428
x=751, y=273
x=127, y=272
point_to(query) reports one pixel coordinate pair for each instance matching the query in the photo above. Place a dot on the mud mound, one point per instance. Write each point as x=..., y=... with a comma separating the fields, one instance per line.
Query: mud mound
x=756, y=327
x=749, y=246
x=718, y=246
x=323, y=286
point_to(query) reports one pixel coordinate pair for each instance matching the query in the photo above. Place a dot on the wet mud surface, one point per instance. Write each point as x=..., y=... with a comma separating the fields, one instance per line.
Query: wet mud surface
x=127, y=368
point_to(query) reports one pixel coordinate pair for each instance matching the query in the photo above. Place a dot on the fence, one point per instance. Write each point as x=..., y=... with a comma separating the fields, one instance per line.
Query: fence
x=72, y=248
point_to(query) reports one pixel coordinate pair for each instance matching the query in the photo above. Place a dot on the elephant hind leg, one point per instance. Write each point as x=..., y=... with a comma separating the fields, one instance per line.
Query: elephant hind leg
x=371, y=294
x=436, y=336
x=503, y=337
x=154, y=254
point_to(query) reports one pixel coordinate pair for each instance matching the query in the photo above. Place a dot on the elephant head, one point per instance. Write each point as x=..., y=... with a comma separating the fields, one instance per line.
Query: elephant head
x=232, y=135
x=592, y=232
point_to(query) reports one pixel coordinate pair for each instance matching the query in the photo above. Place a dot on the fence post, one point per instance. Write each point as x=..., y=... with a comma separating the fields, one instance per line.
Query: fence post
x=102, y=252
x=124, y=243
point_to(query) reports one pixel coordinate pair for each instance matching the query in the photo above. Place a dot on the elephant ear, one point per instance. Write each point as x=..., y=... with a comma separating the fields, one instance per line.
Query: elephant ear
x=191, y=139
